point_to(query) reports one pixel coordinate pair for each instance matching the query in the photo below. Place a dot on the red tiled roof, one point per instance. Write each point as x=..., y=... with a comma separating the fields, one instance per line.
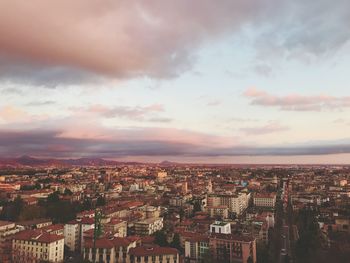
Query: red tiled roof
x=52, y=228
x=100, y=243
x=152, y=251
x=5, y=223
x=37, y=235
x=106, y=242
x=231, y=237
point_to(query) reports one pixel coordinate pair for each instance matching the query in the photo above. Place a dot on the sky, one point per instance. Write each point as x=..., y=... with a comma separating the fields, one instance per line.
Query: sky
x=230, y=81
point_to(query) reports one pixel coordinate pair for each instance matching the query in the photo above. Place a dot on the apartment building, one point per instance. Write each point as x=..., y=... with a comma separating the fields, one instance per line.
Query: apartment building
x=35, y=245
x=265, y=200
x=236, y=203
x=148, y=226
x=218, y=211
x=74, y=230
x=196, y=249
x=231, y=248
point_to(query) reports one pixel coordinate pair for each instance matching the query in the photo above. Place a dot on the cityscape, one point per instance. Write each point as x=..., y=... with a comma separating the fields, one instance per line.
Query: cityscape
x=179, y=131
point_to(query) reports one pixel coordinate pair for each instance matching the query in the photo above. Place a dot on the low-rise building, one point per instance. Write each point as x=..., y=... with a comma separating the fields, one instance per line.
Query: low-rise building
x=109, y=249
x=154, y=254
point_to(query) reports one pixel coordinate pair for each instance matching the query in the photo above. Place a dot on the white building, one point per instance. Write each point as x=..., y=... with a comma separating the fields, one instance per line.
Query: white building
x=220, y=227
x=73, y=232
x=35, y=245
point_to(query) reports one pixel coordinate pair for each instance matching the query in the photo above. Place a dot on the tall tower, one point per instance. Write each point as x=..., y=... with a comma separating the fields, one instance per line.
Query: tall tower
x=210, y=187
x=184, y=187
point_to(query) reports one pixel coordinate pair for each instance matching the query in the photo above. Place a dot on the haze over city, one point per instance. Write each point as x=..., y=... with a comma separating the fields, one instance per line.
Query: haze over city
x=244, y=81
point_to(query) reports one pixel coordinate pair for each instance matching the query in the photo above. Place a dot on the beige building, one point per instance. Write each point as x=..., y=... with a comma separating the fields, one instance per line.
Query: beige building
x=148, y=226
x=34, y=245
x=109, y=249
x=232, y=249
x=7, y=229
x=161, y=175
x=116, y=226
x=236, y=203
x=196, y=249
x=153, y=254
x=217, y=211
x=265, y=200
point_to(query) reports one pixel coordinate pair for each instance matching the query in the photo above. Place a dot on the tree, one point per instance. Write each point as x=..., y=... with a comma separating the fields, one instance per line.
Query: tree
x=53, y=198
x=31, y=212
x=101, y=201
x=13, y=209
x=197, y=206
x=86, y=205
x=160, y=238
x=309, y=238
x=207, y=257
x=262, y=253
x=67, y=192
x=176, y=242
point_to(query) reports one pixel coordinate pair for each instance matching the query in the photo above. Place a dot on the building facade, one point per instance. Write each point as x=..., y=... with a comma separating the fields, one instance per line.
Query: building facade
x=148, y=226
x=35, y=245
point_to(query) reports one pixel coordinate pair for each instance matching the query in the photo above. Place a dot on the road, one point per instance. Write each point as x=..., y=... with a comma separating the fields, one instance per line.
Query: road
x=286, y=252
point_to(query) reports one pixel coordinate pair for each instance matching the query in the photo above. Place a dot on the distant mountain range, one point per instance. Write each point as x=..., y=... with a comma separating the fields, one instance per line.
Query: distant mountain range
x=37, y=162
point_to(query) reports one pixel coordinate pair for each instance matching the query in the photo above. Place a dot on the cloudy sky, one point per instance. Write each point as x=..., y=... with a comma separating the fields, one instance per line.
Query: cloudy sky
x=233, y=81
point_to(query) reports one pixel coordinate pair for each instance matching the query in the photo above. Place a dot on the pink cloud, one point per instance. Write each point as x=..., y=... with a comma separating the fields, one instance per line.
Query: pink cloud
x=296, y=102
x=117, y=38
x=271, y=127
x=139, y=113
x=11, y=113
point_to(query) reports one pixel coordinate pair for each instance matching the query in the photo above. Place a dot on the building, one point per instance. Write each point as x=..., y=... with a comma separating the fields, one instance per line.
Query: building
x=34, y=245
x=148, y=226
x=109, y=249
x=152, y=212
x=196, y=249
x=220, y=227
x=154, y=254
x=236, y=203
x=184, y=187
x=74, y=230
x=218, y=211
x=265, y=200
x=230, y=248
x=35, y=224
x=72, y=235
x=210, y=187
x=161, y=176
x=114, y=225
x=7, y=229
